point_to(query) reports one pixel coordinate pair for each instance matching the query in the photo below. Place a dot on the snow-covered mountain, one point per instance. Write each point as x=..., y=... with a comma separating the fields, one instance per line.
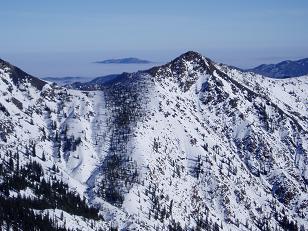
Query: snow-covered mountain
x=283, y=69
x=190, y=145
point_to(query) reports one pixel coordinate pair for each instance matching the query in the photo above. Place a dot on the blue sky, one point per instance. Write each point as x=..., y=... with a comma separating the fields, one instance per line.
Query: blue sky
x=53, y=37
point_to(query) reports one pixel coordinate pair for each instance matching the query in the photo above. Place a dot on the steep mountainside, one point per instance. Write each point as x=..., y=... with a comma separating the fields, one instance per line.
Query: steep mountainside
x=283, y=69
x=190, y=145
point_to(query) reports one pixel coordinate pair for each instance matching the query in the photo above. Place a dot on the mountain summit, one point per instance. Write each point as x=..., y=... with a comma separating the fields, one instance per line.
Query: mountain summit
x=189, y=145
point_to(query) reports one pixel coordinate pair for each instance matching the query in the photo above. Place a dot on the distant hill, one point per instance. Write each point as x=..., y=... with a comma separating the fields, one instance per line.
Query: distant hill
x=93, y=83
x=283, y=69
x=66, y=80
x=124, y=61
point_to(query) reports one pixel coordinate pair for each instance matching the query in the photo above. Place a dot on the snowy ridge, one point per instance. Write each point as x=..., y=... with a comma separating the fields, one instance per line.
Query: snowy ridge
x=188, y=145
x=283, y=69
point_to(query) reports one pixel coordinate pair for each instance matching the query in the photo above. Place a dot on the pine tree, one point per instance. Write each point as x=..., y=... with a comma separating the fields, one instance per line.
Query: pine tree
x=33, y=150
x=43, y=156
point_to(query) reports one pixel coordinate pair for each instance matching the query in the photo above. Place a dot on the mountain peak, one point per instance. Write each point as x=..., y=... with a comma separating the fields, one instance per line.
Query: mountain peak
x=185, y=69
x=196, y=59
x=190, y=55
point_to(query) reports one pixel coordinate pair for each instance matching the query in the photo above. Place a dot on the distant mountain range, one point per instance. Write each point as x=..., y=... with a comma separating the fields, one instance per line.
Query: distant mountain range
x=283, y=69
x=66, y=79
x=77, y=81
x=124, y=61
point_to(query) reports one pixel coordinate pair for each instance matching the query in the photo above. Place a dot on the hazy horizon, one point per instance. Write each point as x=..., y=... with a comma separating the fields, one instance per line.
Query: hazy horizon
x=70, y=64
x=63, y=38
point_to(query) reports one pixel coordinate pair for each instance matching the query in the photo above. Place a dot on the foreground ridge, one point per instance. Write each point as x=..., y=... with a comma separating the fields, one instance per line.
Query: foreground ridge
x=189, y=145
